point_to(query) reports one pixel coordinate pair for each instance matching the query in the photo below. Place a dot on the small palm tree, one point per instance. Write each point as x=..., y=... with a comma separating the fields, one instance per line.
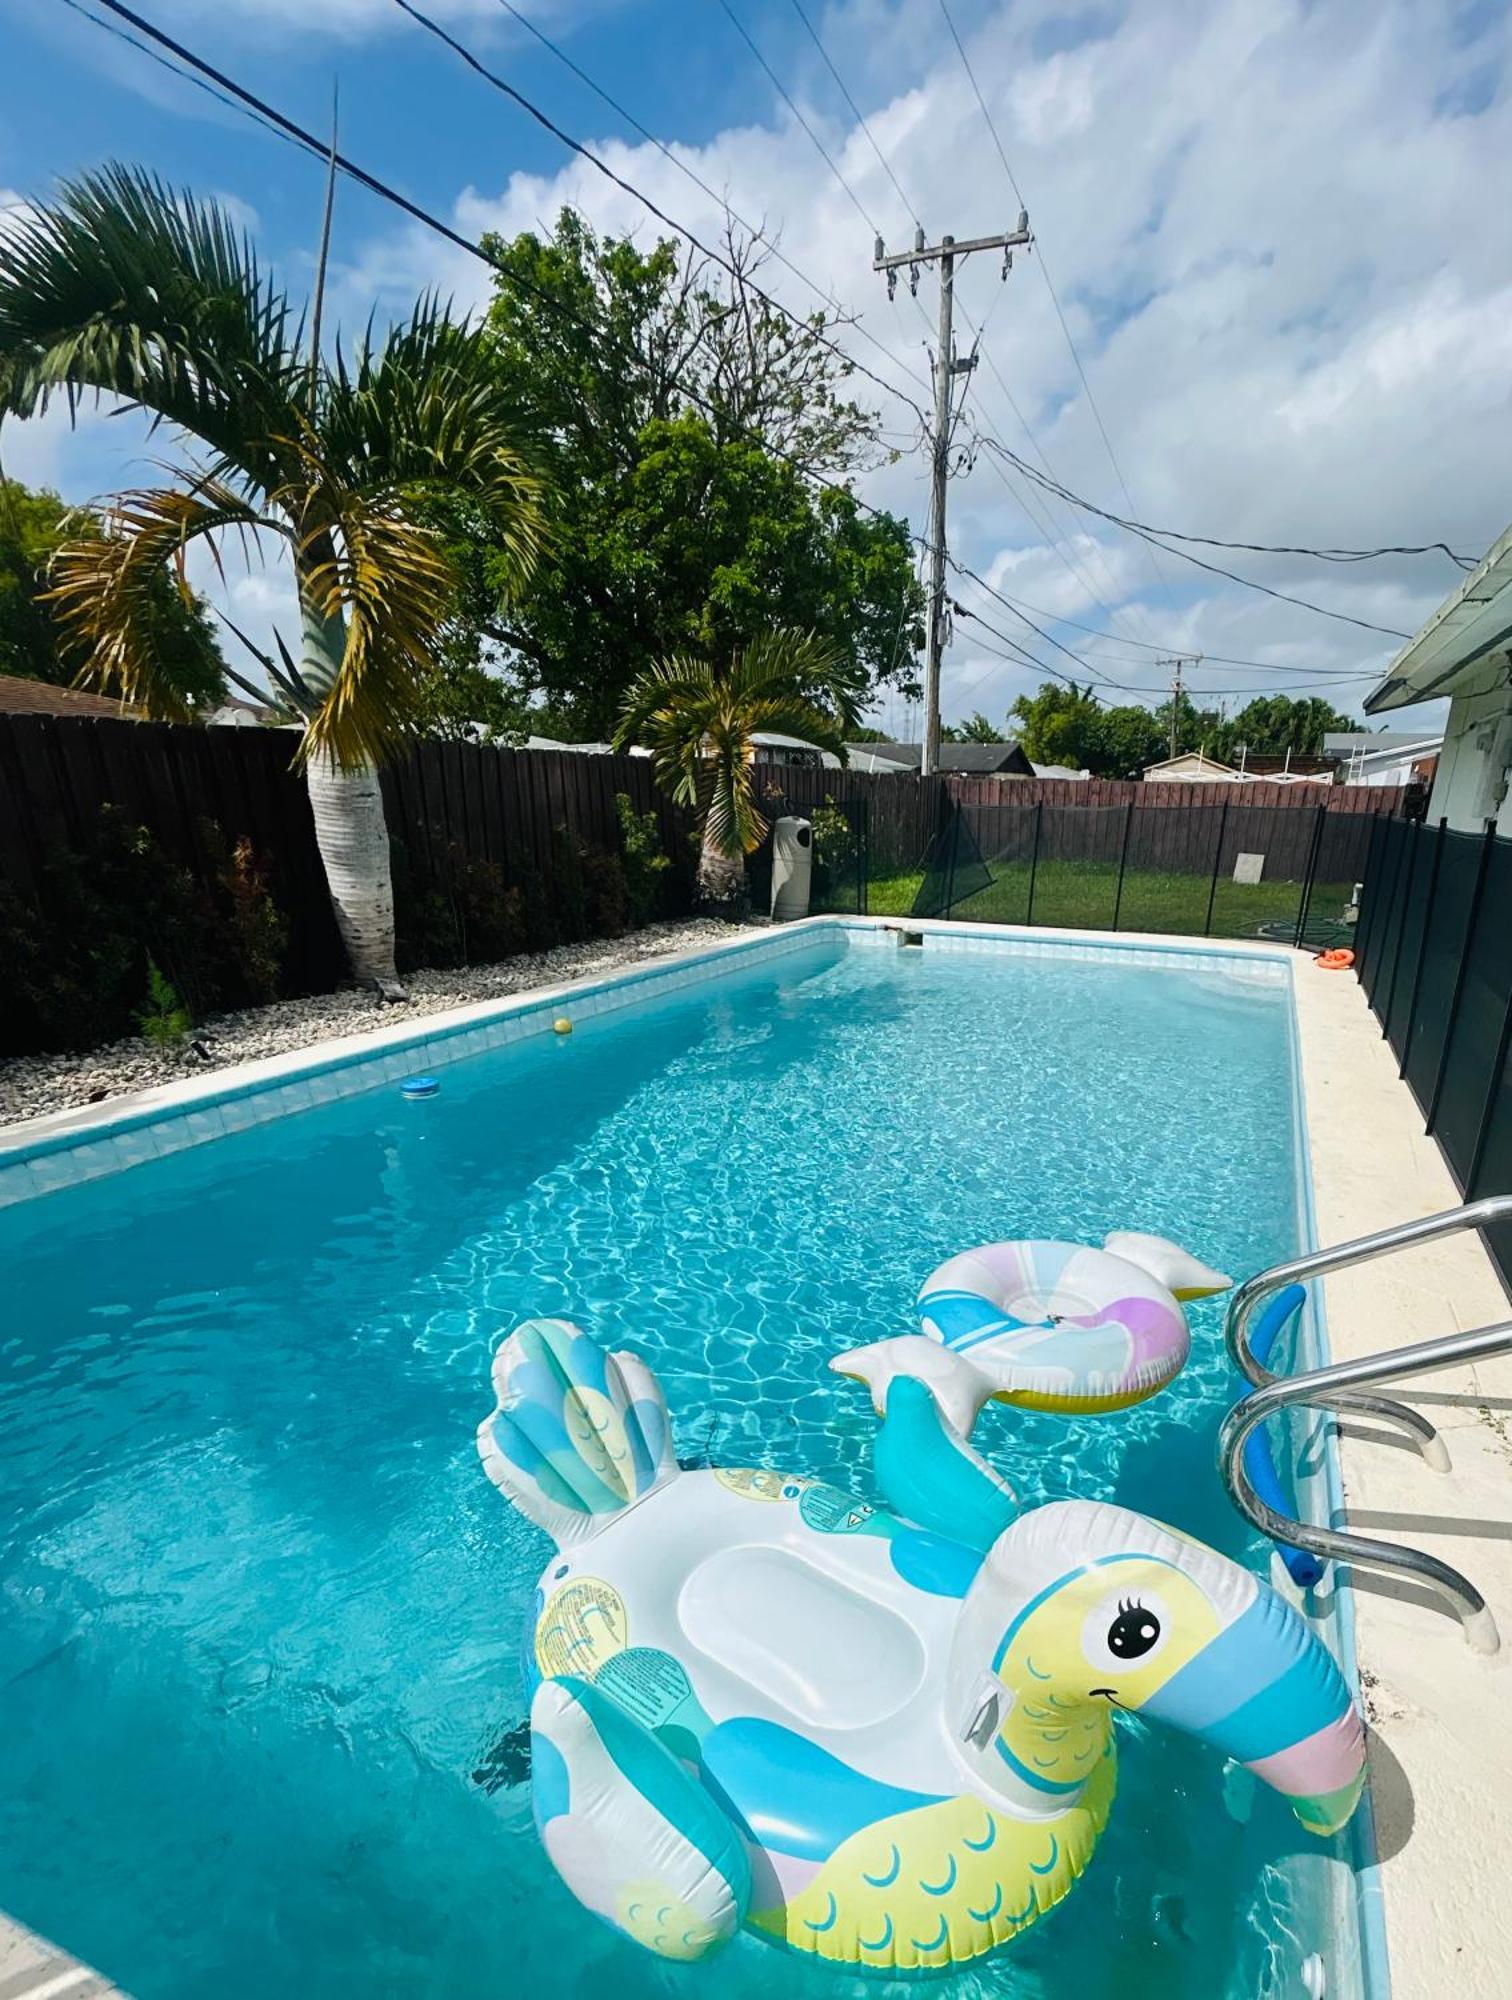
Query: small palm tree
x=126, y=287
x=698, y=719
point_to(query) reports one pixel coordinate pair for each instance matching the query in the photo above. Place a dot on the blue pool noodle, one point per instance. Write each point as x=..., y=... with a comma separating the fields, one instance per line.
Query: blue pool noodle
x=1259, y=1459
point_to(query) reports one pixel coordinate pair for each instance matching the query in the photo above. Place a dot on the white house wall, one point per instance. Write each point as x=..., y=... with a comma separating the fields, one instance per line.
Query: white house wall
x=1471, y=748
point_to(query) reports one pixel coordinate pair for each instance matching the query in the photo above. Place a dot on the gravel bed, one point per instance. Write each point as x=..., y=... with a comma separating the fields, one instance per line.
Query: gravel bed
x=33, y=1085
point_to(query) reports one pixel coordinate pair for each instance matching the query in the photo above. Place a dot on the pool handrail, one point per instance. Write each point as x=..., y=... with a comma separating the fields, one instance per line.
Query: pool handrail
x=1317, y=1386
x=1252, y=1294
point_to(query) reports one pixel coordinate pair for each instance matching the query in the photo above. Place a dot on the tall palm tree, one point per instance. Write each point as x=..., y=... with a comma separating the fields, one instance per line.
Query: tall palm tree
x=127, y=287
x=698, y=718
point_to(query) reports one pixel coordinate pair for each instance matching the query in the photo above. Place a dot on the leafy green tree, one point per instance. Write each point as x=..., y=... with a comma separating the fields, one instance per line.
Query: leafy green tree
x=697, y=718
x=1270, y=725
x=977, y=729
x=685, y=429
x=34, y=644
x=129, y=287
x=1057, y=724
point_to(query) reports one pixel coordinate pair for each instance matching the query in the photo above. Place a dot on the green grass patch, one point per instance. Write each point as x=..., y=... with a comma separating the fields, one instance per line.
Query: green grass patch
x=1080, y=895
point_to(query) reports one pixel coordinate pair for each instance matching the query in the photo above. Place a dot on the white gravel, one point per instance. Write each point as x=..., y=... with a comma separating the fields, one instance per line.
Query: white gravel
x=33, y=1085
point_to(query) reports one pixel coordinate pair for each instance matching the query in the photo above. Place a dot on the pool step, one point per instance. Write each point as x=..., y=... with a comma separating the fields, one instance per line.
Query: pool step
x=32, y=1969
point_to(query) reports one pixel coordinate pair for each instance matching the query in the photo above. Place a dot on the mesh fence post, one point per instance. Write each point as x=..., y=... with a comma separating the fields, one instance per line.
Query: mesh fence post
x=1368, y=898
x=1417, y=977
x=1471, y=919
x=1493, y=1100
x=1039, y=814
x=1312, y=863
x=863, y=884
x=1123, y=857
x=1207, y=927
x=953, y=806
x=1401, y=937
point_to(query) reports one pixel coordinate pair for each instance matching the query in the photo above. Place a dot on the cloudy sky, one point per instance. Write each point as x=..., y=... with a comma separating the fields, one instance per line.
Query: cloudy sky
x=1280, y=236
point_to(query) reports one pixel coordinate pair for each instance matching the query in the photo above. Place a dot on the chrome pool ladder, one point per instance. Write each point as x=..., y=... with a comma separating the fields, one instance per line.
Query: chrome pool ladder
x=1349, y=1386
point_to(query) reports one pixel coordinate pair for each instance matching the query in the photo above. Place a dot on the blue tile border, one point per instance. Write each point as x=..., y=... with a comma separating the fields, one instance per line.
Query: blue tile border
x=89, y=1143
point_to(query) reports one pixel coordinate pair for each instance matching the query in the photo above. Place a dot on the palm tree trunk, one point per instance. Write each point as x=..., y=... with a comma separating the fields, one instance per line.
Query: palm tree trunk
x=722, y=889
x=350, y=830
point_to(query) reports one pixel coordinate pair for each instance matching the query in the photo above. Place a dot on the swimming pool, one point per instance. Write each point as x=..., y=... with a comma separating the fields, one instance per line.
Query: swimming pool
x=259, y=1610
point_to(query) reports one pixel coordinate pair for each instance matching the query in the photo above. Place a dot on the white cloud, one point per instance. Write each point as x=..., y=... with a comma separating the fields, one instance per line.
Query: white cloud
x=1273, y=232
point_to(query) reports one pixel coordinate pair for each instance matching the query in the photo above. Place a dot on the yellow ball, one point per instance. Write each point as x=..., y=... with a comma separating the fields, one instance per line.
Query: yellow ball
x=562, y=1025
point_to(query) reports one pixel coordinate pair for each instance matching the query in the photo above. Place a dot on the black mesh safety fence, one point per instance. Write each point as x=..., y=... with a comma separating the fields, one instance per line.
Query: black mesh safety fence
x=1435, y=961
x=1286, y=874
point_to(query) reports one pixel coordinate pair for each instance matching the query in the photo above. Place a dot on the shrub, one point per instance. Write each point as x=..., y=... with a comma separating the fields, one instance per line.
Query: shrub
x=162, y=1017
x=74, y=953
x=643, y=859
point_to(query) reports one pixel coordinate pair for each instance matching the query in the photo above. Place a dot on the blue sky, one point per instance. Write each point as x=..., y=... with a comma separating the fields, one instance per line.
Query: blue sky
x=1271, y=228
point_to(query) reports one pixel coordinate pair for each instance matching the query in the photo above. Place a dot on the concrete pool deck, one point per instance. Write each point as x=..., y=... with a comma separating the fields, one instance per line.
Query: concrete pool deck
x=1440, y=1714
x=1441, y=1726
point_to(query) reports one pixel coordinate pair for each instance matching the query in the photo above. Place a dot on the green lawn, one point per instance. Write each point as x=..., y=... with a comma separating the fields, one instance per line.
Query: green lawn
x=1079, y=895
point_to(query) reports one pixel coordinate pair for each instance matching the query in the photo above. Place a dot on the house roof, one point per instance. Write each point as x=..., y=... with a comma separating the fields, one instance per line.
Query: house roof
x=1192, y=760
x=27, y=697
x=968, y=759
x=1471, y=629
x=1343, y=743
x=1058, y=771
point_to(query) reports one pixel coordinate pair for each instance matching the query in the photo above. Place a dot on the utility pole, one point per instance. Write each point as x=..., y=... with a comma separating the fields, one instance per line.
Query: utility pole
x=1177, y=690
x=945, y=368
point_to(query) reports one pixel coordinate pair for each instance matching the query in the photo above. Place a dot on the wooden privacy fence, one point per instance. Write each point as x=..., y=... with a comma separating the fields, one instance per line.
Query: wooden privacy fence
x=474, y=824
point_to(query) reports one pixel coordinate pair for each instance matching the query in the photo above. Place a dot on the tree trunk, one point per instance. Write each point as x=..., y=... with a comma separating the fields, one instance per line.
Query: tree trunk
x=350, y=829
x=722, y=889
x=352, y=835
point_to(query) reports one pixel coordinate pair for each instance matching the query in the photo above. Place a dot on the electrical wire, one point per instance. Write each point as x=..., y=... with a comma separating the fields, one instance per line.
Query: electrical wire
x=548, y=124
x=1049, y=284
x=855, y=111
x=667, y=153
x=284, y=127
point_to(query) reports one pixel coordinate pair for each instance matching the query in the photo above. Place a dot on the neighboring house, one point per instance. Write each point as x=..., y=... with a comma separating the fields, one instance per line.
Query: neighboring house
x=1192, y=767
x=770, y=748
x=1465, y=652
x=26, y=697
x=960, y=760
x=866, y=757
x=582, y=749
x=1386, y=756
x=1058, y=771
x=234, y=713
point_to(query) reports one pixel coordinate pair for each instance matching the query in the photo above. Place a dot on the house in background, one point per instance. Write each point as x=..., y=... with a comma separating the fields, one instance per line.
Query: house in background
x=1059, y=771
x=1465, y=652
x=1192, y=767
x=957, y=760
x=27, y=697
x=1384, y=756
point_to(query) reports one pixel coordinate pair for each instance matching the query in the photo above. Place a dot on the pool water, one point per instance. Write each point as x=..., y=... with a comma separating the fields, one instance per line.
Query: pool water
x=260, y=1610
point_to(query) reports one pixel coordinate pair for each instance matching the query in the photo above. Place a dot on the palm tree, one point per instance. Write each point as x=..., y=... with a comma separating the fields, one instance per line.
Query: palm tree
x=698, y=719
x=127, y=287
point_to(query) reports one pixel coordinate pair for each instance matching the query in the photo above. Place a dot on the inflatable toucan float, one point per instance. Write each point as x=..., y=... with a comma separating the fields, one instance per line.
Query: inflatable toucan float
x=882, y=1735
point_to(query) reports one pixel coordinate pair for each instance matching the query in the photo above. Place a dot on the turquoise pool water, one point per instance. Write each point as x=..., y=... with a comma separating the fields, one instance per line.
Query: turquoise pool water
x=260, y=1610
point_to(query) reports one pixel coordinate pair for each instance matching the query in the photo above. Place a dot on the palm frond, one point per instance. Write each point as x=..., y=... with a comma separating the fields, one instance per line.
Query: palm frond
x=423, y=411
x=128, y=287
x=369, y=568
x=102, y=585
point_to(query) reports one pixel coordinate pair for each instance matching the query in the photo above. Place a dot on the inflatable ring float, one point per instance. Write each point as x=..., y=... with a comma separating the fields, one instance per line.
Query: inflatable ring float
x=1338, y=960
x=1060, y=1326
x=880, y=1736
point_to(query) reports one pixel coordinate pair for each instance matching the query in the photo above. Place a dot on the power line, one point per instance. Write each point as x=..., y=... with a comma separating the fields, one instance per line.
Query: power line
x=1147, y=535
x=548, y=124
x=856, y=113
x=776, y=82
x=666, y=151
x=271, y=119
x=1049, y=284
x=200, y=83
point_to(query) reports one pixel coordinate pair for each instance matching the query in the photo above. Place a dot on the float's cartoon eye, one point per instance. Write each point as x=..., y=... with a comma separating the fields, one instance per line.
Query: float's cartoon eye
x=1134, y=1632
x=1125, y=1632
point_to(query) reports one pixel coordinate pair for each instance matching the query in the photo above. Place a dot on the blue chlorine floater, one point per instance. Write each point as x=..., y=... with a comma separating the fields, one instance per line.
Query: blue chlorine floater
x=1304, y=1568
x=420, y=1086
